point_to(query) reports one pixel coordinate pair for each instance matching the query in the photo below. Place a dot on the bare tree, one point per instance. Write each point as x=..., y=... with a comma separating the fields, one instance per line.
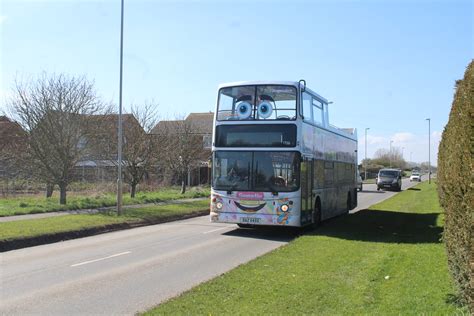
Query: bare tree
x=179, y=147
x=12, y=149
x=53, y=110
x=139, y=145
x=386, y=158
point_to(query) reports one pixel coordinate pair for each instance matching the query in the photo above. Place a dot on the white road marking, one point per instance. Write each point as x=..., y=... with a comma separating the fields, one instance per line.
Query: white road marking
x=214, y=230
x=100, y=259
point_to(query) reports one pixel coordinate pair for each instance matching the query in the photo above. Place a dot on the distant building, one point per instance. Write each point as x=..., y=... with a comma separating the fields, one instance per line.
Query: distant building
x=200, y=125
x=100, y=161
x=12, y=144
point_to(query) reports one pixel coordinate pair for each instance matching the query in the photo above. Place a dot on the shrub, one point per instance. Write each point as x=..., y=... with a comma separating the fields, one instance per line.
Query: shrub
x=455, y=173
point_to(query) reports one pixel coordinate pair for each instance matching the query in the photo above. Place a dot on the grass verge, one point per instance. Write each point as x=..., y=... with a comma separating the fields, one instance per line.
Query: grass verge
x=19, y=234
x=384, y=261
x=36, y=204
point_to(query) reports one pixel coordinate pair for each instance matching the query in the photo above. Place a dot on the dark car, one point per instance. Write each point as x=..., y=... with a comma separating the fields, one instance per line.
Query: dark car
x=389, y=179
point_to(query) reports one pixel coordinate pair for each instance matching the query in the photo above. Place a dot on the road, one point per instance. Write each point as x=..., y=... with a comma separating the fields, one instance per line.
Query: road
x=130, y=271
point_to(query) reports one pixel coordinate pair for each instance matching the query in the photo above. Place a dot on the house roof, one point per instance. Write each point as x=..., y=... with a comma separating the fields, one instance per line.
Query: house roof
x=9, y=130
x=110, y=122
x=201, y=123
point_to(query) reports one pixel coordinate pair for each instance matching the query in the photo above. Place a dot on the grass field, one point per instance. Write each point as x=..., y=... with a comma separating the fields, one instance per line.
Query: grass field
x=384, y=261
x=40, y=204
x=67, y=223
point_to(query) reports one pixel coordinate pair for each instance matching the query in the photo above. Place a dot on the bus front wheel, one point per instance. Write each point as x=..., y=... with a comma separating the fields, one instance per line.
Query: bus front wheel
x=245, y=225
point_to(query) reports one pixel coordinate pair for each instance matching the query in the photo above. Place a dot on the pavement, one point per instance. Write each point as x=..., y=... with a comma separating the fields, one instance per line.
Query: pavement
x=129, y=271
x=90, y=211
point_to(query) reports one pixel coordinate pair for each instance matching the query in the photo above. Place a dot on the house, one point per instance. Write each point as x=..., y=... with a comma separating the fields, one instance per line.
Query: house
x=12, y=144
x=198, y=128
x=99, y=162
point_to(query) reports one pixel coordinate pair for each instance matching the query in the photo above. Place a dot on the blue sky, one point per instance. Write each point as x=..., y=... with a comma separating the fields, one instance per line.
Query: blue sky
x=386, y=65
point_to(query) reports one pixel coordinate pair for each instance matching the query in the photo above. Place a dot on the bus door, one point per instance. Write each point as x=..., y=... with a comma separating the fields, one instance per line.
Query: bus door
x=306, y=190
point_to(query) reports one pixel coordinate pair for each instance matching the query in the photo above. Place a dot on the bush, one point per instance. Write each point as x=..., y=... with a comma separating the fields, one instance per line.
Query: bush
x=456, y=186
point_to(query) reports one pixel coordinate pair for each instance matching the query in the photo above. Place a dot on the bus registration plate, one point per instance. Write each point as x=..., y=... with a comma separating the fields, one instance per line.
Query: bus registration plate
x=250, y=220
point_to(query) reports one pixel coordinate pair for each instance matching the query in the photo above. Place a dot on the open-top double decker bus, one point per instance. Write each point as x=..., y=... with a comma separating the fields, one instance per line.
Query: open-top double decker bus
x=276, y=159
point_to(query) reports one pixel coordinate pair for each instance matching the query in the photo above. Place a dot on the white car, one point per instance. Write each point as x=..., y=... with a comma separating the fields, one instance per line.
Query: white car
x=415, y=176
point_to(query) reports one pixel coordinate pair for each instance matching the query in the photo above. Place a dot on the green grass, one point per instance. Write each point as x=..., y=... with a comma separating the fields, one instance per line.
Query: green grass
x=37, y=204
x=67, y=223
x=384, y=261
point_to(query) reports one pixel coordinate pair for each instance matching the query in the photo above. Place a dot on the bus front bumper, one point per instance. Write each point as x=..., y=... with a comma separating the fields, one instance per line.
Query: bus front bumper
x=256, y=219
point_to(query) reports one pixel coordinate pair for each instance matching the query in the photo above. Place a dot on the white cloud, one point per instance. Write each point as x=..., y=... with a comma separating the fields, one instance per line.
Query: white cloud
x=413, y=146
x=436, y=135
x=403, y=137
x=3, y=18
x=375, y=140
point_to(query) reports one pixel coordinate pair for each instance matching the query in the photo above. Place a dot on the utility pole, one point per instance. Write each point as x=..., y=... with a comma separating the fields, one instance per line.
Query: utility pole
x=365, y=174
x=429, y=150
x=390, y=154
x=120, y=132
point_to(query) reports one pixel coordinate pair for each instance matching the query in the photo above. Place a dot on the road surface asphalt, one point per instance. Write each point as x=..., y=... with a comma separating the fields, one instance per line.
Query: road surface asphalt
x=128, y=271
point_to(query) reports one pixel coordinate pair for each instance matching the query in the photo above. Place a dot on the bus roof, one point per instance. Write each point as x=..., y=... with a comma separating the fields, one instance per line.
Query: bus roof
x=271, y=82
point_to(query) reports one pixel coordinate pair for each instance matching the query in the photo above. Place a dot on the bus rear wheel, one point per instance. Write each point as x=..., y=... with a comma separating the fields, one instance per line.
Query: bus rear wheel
x=349, y=203
x=317, y=214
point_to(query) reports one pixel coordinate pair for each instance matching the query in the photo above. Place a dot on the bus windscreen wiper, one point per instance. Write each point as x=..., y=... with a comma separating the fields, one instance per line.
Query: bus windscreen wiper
x=232, y=188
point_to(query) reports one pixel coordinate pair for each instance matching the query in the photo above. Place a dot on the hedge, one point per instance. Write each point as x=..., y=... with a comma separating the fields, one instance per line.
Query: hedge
x=455, y=186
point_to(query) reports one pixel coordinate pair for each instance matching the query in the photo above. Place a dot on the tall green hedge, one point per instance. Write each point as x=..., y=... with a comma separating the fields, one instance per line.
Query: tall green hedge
x=455, y=186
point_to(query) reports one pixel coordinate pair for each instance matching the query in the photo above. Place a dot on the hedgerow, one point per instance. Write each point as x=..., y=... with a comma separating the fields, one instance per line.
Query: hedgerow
x=455, y=186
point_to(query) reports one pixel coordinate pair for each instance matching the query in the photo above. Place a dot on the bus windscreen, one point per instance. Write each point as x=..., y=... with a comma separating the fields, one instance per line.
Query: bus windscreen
x=259, y=102
x=263, y=171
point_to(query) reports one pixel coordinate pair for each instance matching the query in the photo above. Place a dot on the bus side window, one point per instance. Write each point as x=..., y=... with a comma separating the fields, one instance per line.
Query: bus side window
x=339, y=166
x=349, y=174
x=318, y=174
x=328, y=173
x=306, y=105
x=317, y=112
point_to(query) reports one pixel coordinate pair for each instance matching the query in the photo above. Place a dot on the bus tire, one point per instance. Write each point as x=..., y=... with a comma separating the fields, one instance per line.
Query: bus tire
x=317, y=214
x=349, y=202
x=245, y=225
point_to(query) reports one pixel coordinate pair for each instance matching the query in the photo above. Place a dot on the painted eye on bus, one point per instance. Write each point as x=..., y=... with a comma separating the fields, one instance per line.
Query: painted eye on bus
x=265, y=109
x=243, y=110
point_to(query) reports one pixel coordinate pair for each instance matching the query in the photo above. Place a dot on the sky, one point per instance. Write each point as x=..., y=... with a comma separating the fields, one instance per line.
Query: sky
x=386, y=65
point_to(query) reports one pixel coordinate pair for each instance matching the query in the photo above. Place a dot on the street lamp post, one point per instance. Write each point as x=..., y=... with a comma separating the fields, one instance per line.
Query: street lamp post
x=402, y=164
x=119, y=147
x=390, y=153
x=365, y=173
x=429, y=149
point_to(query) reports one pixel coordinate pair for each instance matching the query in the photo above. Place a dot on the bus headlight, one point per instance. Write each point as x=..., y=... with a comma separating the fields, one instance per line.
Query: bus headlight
x=284, y=208
x=219, y=205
